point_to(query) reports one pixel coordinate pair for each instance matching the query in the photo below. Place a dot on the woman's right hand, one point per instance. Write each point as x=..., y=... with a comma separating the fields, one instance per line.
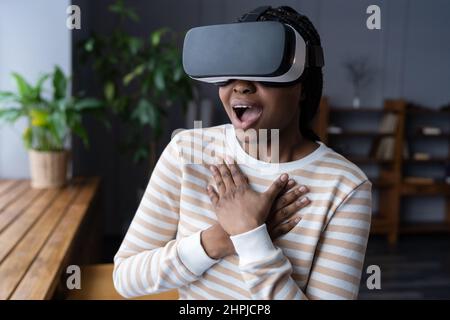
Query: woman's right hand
x=282, y=218
x=280, y=221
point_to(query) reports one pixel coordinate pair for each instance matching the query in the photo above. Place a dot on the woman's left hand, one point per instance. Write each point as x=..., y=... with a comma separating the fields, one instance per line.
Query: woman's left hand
x=238, y=207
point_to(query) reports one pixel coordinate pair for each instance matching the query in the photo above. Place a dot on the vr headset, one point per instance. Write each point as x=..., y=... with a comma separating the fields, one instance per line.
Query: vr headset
x=269, y=52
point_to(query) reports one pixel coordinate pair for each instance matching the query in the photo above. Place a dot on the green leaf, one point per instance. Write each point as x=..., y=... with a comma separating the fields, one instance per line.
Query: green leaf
x=141, y=112
x=89, y=45
x=147, y=113
x=178, y=73
x=27, y=137
x=57, y=125
x=159, y=80
x=131, y=13
x=39, y=118
x=24, y=88
x=59, y=84
x=135, y=44
x=156, y=36
x=38, y=88
x=10, y=115
x=133, y=74
x=79, y=130
x=109, y=90
x=119, y=8
x=6, y=96
x=140, y=154
x=88, y=103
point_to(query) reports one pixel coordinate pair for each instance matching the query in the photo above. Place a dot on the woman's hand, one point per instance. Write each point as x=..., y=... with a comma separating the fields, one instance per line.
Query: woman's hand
x=280, y=221
x=238, y=207
x=282, y=217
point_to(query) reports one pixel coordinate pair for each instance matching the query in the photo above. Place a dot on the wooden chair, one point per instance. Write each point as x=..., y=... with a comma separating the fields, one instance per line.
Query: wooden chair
x=97, y=284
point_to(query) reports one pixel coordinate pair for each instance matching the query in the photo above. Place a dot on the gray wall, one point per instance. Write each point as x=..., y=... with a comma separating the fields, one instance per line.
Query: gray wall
x=409, y=54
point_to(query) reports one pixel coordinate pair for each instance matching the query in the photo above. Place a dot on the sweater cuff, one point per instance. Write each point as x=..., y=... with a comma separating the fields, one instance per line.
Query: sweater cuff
x=192, y=254
x=254, y=245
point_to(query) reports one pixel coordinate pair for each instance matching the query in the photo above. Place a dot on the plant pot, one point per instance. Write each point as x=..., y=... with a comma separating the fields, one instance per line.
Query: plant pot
x=48, y=168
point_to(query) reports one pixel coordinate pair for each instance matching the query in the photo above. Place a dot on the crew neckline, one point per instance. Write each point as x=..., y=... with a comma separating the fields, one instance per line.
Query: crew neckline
x=241, y=156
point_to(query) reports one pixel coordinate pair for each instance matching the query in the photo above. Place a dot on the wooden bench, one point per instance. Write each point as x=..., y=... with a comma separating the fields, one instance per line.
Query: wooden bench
x=40, y=231
x=97, y=284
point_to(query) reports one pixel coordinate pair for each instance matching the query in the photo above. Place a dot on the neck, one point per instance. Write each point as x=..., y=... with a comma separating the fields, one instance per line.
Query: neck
x=291, y=146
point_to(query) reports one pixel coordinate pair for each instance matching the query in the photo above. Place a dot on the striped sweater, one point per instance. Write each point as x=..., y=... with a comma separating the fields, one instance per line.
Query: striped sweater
x=320, y=258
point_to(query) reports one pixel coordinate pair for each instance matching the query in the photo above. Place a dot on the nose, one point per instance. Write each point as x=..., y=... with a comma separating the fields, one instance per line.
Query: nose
x=243, y=87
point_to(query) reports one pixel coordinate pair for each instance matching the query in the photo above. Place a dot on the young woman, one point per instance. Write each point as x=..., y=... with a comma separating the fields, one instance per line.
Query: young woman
x=222, y=222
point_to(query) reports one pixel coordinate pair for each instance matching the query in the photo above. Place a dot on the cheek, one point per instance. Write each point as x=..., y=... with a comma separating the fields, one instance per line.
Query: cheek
x=282, y=107
x=224, y=94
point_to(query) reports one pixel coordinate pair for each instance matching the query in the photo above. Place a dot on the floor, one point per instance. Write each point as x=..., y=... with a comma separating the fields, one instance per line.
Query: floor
x=417, y=268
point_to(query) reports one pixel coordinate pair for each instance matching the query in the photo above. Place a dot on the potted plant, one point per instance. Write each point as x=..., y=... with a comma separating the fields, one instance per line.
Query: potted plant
x=52, y=117
x=361, y=74
x=141, y=78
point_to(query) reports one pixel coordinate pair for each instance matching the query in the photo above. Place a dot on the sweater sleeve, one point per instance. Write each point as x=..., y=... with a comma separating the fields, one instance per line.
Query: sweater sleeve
x=337, y=265
x=151, y=259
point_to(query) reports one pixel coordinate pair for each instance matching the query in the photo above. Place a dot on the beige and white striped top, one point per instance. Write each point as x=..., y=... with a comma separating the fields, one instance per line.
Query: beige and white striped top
x=321, y=258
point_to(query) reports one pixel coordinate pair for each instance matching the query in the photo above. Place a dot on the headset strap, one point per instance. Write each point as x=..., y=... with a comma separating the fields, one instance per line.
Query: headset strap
x=314, y=53
x=314, y=56
x=255, y=14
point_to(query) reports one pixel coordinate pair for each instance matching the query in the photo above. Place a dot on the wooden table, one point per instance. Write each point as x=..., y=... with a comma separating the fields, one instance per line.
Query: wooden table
x=39, y=232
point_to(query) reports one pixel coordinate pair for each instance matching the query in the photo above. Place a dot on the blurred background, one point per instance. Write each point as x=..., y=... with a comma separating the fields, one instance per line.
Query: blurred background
x=386, y=107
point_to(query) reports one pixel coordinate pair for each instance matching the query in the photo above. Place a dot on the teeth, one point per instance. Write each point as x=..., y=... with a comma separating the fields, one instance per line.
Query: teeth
x=242, y=106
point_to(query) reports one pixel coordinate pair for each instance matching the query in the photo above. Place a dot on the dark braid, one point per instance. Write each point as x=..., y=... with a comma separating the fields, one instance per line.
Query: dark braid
x=312, y=77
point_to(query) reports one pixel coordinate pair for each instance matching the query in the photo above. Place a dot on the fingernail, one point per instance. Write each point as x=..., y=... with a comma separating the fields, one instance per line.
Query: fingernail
x=284, y=177
x=228, y=160
x=304, y=200
x=211, y=168
x=291, y=183
x=297, y=220
x=302, y=189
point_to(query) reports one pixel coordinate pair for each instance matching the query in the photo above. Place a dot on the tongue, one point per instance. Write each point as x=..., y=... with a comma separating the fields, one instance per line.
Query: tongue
x=250, y=114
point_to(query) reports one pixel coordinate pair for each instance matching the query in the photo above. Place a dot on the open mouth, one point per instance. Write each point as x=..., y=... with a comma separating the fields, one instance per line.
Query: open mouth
x=246, y=114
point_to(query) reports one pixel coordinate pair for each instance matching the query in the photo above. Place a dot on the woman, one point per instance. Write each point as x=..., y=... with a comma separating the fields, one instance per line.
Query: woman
x=224, y=222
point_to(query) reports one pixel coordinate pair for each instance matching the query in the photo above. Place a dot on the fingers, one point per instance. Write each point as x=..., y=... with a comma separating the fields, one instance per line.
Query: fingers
x=284, y=228
x=291, y=183
x=286, y=212
x=218, y=179
x=236, y=173
x=277, y=186
x=226, y=175
x=212, y=195
x=289, y=197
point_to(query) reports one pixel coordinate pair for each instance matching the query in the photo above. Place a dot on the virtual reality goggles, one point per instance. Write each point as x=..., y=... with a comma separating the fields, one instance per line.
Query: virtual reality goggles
x=269, y=52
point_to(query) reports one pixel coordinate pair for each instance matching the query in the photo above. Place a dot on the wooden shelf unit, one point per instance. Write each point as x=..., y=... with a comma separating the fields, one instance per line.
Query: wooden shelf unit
x=390, y=182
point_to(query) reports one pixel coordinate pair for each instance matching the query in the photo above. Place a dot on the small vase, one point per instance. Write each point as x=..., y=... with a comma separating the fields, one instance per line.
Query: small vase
x=356, y=102
x=48, y=169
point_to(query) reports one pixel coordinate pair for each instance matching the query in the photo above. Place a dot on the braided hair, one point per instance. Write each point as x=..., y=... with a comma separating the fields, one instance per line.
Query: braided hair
x=312, y=77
